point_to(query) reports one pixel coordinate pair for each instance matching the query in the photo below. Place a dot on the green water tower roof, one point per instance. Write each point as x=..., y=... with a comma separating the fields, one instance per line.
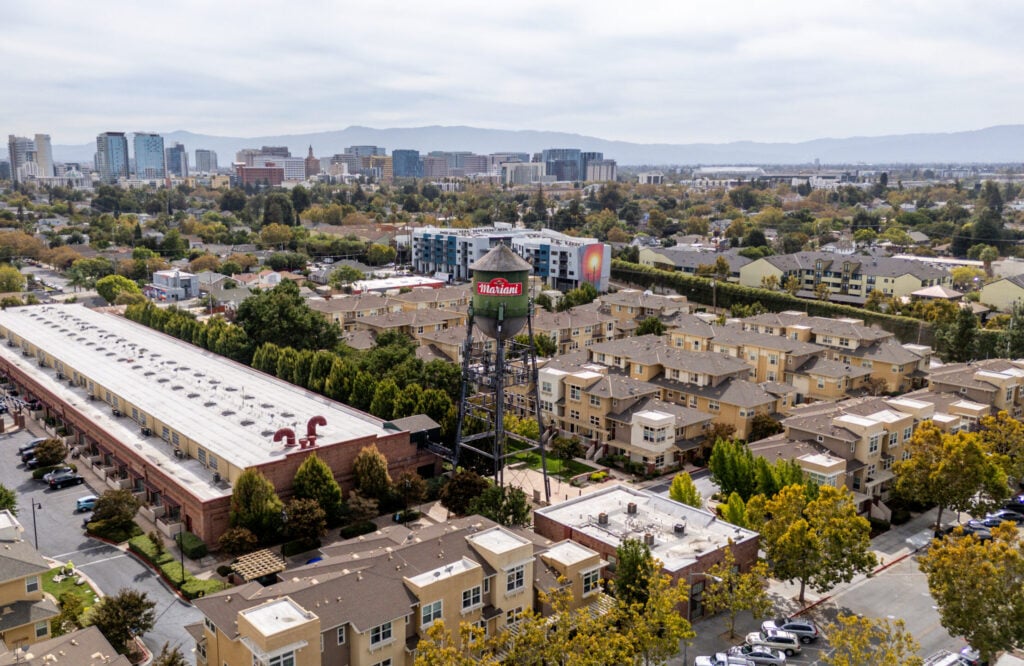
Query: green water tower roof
x=501, y=259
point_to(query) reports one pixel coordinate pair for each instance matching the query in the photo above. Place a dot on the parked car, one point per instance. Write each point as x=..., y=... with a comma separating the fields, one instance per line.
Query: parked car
x=975, y=527
x=721, y=659
x=775, y=639
x=66, y=479
x=1015, y=503
x=997, y=517
x=805, y=630
x=760, y=655
x=87, y=503
x=30, y=446
x=63, y=469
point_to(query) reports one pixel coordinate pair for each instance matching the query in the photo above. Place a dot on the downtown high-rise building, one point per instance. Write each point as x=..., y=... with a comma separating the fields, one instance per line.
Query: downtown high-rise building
x=406, y=163
x=177, y=161
x=149, y=156
x=44, y=156
x=112, y=156
x=206, y=160
x=565, y=164
x=20, y=150
x=365, y=151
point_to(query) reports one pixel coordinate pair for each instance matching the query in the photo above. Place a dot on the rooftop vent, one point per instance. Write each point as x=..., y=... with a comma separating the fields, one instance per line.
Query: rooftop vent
x=631, y=508
x=602, y=519
x=648, y=538
x=193, y=395
x=679, y=529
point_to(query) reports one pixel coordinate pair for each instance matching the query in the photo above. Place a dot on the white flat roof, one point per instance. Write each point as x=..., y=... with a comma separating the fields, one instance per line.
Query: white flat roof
x=569, y=553
x=443, y=572
x=702, y=531
x=227, y=408
x=276, y=616
x=498, y=540
x=853, y=419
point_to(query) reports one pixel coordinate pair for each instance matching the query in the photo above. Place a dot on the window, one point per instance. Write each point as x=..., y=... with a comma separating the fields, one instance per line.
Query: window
x=512, y=616
x=165, y=433
x=545, y=387
x=696, y=345
x=595, y=401
x=32, y=584
x=574, y=414
x=591, y=580
x=210, y=626
x=873, y=444
x=341, y=635
x=595, y=421
x=42, y=628
x=713, y=405
x=773, y=359
x=865, y=364
x=213, y=461
x=771, y=376
x=574, y=392
x=821, y=382
x=201, y=455
x=487, y=585
x=471, y=598
x=386, y=662
x=908, y=433
x=515, y=578
x=693, y=402
x=429, y=613
x=1009, y=393
x=380, y=634
x=659, y=461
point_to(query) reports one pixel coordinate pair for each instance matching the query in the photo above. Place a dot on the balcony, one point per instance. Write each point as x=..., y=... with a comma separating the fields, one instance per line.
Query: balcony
x=151, y=513
x=169, y=526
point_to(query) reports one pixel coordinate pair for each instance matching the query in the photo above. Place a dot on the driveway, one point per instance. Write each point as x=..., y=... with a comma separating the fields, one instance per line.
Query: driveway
x=58, y=532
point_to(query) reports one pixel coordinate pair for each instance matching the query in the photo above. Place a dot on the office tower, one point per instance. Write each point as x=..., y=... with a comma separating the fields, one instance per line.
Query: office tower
x=149, y=156
x=365, y=151
x=20, y=149
x=435, y=167
x=112, y=156
x=312, y=164
x=177, y=161
x=276, y=151
x=585, y=159
x=206, y=160
x=44, y=156
x=406, y=163
x=475, y=164
x=382, y=168
x=602, y=170
x=246, y=155
x=5, y=170
x=563, y=163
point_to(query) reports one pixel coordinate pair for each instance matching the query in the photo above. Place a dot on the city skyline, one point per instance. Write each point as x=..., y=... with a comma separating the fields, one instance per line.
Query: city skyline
x=661, y=73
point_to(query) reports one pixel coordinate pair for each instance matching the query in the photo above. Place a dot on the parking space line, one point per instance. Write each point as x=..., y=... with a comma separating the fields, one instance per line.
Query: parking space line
x=105, y=559
x=76, y=552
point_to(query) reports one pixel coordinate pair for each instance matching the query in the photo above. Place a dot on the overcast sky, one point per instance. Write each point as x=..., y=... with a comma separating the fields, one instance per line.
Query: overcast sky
x=665, y=72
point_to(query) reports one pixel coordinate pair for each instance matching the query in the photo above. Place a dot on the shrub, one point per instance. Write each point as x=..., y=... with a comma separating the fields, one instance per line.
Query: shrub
x=173, y=572
x=597, y=477
x=899, y=516
x=38, y=473
x=878, y=525
x=357, y=529
x=298, y=546
x=200, y=587
x=224, y=570
x=238, y=541
x=115, y=533
x=193, y=546
x=143, y=545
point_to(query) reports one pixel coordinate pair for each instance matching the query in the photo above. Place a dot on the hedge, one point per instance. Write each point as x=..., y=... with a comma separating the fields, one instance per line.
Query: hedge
x=101, y=529
x=726, y=294
x=172, y=570
x=200, y=587
x=38, y=474
x=193, y=546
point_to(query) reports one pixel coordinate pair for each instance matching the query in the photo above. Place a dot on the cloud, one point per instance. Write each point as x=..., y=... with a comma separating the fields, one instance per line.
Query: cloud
x=653, y=71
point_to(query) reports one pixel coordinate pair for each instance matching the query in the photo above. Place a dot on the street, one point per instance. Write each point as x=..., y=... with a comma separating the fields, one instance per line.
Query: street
x=58, y=530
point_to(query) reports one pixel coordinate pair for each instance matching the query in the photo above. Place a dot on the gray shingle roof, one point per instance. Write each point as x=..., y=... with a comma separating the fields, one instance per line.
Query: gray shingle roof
x=871, y=266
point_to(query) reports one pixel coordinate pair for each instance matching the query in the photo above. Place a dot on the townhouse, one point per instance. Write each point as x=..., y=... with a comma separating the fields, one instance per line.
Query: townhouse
x=347, y=310
x=576, y=328
x=849, y=278
x=454, y=299
x=26, y=613
x=688, y=260
x=369, y=602
x=996, y=382
x=894, y=367
x=413, y=323
x=633, y=305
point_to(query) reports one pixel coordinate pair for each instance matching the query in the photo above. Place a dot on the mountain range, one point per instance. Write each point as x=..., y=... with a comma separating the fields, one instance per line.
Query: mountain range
x=1001, y=144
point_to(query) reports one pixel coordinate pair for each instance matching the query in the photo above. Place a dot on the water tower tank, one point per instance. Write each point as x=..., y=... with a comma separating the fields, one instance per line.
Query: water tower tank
x=500, y=280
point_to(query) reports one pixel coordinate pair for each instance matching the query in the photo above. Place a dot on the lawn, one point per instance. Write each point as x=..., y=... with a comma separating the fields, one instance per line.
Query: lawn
x=565, y=469
x=84, y=592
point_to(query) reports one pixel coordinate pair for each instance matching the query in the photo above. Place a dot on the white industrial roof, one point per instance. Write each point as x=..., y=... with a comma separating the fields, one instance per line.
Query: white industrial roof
x=276, y=616
x=569, y=553
x=228, y=408
x=498, y=540
x=443, y=572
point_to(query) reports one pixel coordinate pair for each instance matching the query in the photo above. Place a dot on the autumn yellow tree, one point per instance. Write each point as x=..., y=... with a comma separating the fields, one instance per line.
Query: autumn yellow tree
x=731, y=590
x=863, y=641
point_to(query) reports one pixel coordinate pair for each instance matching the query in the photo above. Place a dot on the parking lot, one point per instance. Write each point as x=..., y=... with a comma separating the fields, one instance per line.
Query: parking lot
x=57, y=530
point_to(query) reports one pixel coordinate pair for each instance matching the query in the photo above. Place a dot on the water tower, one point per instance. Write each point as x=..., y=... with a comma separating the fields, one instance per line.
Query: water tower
x=501, y=307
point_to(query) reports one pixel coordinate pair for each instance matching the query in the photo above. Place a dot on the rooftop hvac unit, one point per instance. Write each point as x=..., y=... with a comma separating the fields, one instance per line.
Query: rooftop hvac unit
x=679, y=529
x=648, y=538
x=178, y=453
x=602, y=519
x=146, y=432
x=216, y=477
x=631, y=508
x=116, y=412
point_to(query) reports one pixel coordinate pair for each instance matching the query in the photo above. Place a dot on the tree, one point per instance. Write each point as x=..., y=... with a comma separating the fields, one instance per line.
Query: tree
x=655, y=627
x=542, y=342
x=11, y=279
x=315, y=481
x=361, y=508
x=864, y=641
x=275, y=235
x=411, y=487
x=732, y=468
x=256, y=506
x=439, y=647
x=988, y=255
x=300, y=198
x=952, y=471
x=1003, y=436
x=820, y=542
x=633, y=572
x=370, y=468
x=124, y=616
x=50, y=452
x=650, y=326
x=278, y=209
x=304, y=520
x=683, y=490
x=116, y=508
x=237, y=541
x=729, y=589
x=281, y=316
x=232, y=200
x=461, y=489
x=345, y=275
x=8, y=500
x=735, y=511
x=385, y=396
x=763, y=425
x=822, y=291
x=977, y=587
x=70, y=618
x=792, y=285
x=770, y=282
x=378, y=254
x=957, y=340
x=111, y=286
x=506, y=505
x=169, y=656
